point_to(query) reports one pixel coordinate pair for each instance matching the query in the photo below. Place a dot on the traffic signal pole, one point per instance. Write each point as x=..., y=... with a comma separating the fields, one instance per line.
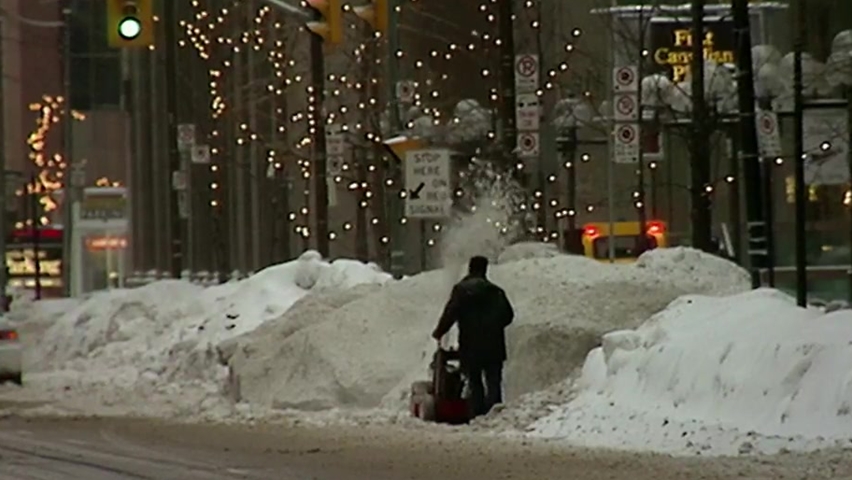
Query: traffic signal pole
x=3, y=220
x=397, y=202
x=176, y=224
x=799, y=153
x=320, y=161
x=756, y=214
x=700, y=142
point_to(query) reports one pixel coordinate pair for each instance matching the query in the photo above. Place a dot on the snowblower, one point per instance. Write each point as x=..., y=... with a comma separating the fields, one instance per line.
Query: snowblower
x=441, y=400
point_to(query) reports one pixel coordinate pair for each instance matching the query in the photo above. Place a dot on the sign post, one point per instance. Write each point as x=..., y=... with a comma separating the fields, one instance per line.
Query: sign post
x=529, y=145
x=201, y=154
x=526, y=72
x=626, y=114
x=335, y=151
x=186, y=137
x=405, y=91
x=428, y=184
x=767, y=134
x=528, y=114
x=626, y=143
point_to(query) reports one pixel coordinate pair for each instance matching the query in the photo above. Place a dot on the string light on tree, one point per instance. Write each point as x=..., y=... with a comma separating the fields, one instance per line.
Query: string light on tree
x=49, y=168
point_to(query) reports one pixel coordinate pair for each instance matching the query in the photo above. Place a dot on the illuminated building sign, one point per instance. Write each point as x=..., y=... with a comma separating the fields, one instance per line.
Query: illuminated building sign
x=22, y=262
x=103, y=207
x=28, y=254
x=106, y=243
x=671, y=45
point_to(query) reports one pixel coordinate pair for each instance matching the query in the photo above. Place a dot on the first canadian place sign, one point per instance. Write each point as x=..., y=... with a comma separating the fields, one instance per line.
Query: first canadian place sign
x=428, y=184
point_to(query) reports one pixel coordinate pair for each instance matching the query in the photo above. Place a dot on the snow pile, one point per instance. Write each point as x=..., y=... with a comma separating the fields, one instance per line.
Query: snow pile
x=526, y=250
x=741, y=374
x=157, y=337
x=364, y=351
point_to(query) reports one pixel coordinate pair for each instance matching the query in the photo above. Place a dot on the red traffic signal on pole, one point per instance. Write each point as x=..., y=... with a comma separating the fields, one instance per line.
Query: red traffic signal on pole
x=329, y=23
x=376, y=14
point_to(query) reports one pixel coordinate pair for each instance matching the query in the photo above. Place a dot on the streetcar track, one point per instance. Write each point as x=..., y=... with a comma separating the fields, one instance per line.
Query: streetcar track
x=75, y=462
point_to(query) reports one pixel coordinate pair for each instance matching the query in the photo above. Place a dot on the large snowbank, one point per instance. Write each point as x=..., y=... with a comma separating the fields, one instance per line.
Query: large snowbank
x=168, y=331
x=751, y=372
x=364, y=350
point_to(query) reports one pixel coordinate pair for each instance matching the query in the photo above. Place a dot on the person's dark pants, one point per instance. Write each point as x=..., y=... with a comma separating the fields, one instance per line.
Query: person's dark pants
x=486, y=387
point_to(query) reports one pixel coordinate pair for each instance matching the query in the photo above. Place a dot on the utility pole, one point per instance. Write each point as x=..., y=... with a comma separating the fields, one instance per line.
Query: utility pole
x=70, y=191
x=748, y=145
x=641, y=208
x=849, y=162
x=255, y=184
x=3, y=218
x=319, y=152
x=36, y=232
x=700, y=167
x=176, y=223
x=506, y=29
x=799, y=153
x=394, y=197
x=541, y=177
x=363, y=156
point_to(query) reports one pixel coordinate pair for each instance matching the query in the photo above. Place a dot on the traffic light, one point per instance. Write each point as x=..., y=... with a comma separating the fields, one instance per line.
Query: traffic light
x=376, y=14
x=329, y=20
x=130, y=23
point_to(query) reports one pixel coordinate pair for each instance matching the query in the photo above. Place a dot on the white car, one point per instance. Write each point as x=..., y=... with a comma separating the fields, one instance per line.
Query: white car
x=11, y=352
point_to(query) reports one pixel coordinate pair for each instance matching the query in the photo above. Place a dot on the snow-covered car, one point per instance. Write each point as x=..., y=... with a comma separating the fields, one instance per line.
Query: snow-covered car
x=11, y=352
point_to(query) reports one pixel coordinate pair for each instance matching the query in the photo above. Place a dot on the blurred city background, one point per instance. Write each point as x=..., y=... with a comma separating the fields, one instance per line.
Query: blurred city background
x=193, y=149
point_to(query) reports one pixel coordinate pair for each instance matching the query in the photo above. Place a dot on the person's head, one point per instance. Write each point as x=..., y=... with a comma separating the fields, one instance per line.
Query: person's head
x=478, y=266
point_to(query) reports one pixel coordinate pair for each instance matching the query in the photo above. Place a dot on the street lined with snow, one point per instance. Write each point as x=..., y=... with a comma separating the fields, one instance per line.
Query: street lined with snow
x=113, y=449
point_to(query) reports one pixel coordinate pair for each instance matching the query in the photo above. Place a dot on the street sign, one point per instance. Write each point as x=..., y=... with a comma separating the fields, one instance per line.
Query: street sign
x=185, y=136
x=625, y=79
x=527, y=112
x=626, y=144
x=179, y=180
x=103, y=207
x=405, y=91
x=626, y=107
x=335, y=149
x=529, y=145
x=767, y=134
x=526, y=73
x=201, y=154
x=335, y=140
x=428, y=184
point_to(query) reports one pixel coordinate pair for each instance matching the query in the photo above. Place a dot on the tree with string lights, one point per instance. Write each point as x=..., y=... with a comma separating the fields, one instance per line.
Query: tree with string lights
x=444, y=98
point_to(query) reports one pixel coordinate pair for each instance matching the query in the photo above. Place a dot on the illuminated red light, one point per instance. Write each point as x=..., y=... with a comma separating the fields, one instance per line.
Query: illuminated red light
x=655, y=228
x=590, y=232
x=8, y=335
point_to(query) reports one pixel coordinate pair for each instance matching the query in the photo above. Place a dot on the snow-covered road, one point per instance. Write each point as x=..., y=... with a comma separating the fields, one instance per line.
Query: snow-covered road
x=112, y=449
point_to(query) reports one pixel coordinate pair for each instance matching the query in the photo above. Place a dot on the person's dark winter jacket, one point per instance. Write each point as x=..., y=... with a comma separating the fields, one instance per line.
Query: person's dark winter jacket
x=482, y=312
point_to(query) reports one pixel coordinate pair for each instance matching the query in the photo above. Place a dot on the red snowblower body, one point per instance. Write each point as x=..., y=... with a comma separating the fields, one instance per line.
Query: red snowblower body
x=441, y=399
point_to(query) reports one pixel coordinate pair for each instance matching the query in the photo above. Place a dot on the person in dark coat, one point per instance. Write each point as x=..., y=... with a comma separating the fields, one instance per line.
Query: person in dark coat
x=482, y=312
